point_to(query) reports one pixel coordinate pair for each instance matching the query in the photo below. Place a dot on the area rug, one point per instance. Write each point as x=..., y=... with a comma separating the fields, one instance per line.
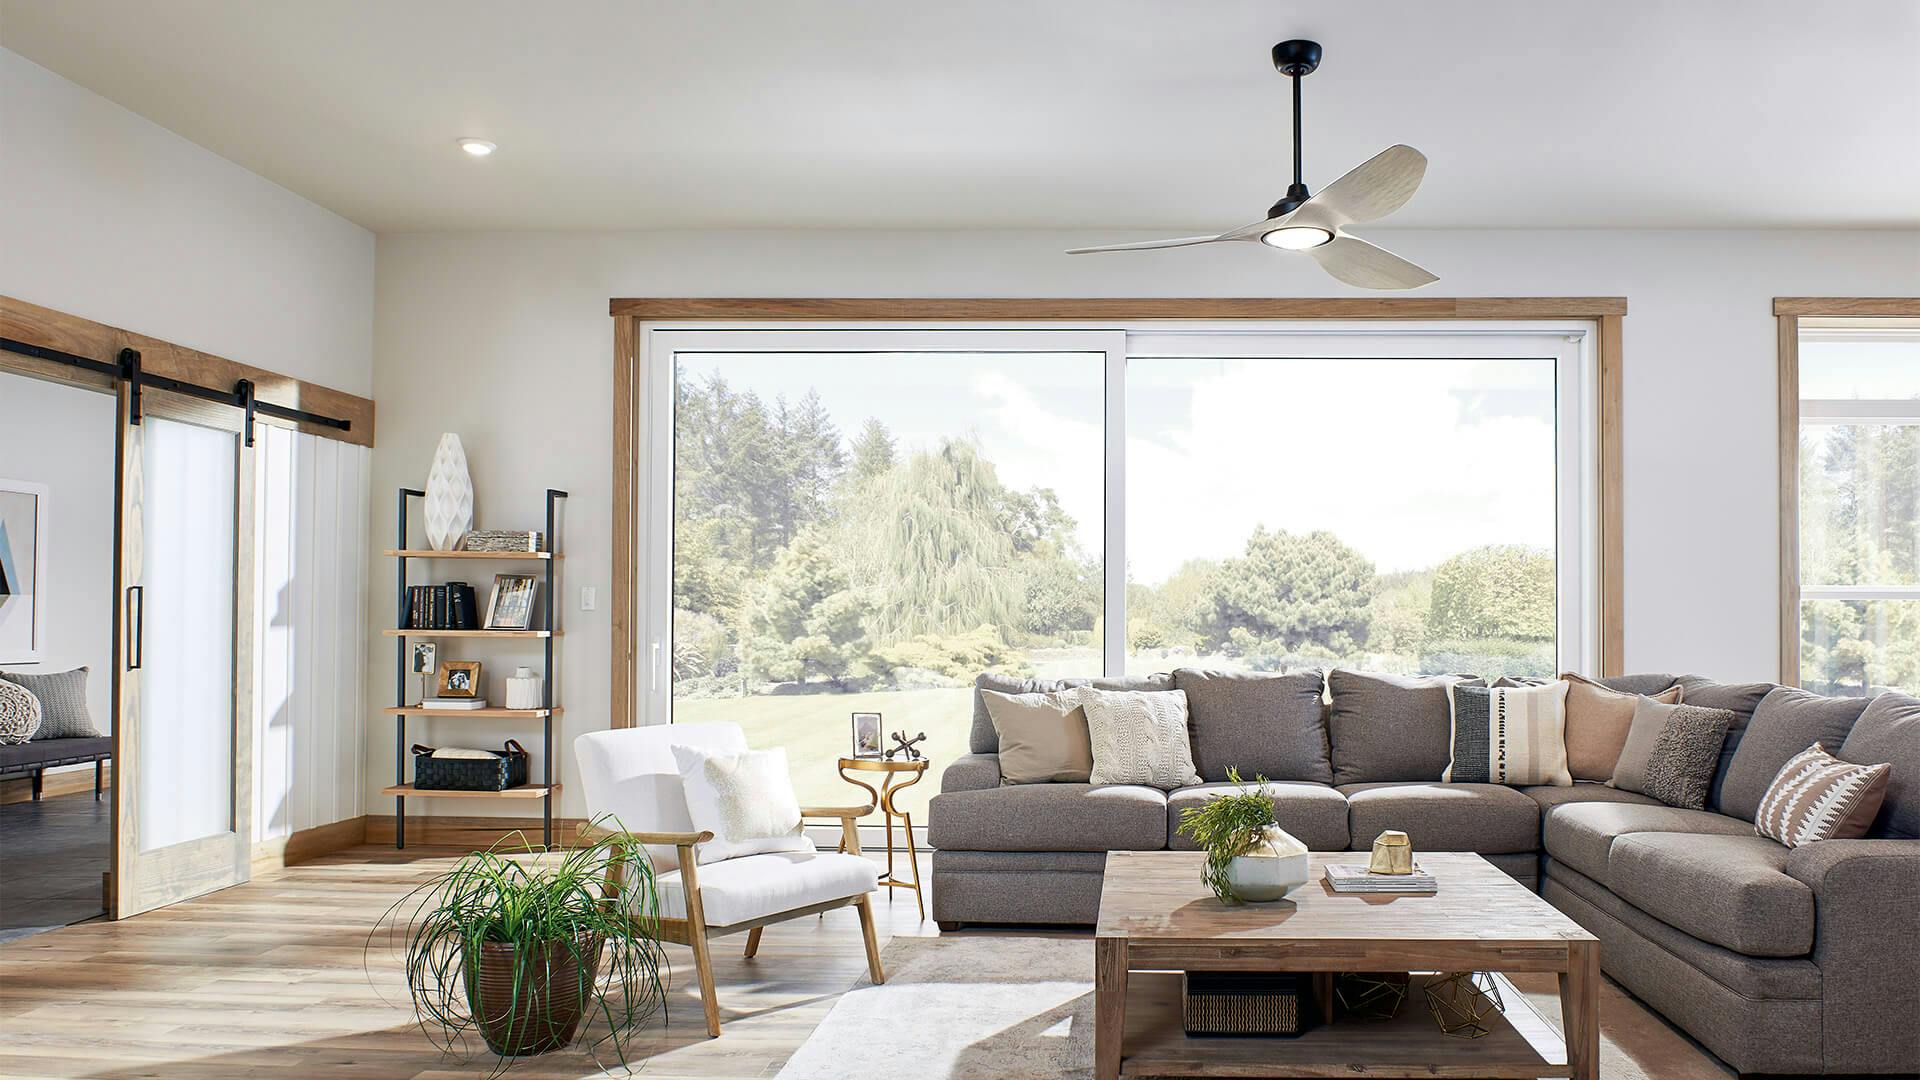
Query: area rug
x=1021, y=1008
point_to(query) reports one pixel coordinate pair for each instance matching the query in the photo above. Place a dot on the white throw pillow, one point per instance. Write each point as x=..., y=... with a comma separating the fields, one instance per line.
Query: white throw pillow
x=1139, y=737
x=744, y=799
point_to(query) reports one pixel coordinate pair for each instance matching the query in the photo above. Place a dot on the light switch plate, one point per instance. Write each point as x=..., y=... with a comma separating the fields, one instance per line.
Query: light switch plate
x=589, y=599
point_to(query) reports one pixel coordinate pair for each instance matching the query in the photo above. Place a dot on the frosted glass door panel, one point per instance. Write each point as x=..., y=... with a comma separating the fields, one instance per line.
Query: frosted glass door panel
x=186, y=634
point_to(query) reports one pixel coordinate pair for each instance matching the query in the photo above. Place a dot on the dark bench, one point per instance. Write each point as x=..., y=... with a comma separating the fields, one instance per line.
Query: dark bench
x=36, y=757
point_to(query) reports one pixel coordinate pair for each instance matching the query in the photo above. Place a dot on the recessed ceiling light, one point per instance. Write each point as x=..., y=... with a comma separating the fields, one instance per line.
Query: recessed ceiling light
x=477, y=147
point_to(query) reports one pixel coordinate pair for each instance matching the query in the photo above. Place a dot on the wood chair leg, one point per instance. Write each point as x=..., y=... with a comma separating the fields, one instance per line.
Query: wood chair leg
x=865, y=906
x=753, y=942
x=697, y=938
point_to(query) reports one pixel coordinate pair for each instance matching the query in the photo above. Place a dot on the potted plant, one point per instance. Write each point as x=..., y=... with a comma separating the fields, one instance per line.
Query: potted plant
x=1249, y=858
x=523, y=946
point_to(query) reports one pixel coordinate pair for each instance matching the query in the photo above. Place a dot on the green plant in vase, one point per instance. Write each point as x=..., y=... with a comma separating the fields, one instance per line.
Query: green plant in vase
x=1249, y=857
x=532, y=949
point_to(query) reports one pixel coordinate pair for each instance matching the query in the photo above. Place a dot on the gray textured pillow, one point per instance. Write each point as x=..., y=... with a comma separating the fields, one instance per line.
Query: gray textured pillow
x=63, y=703
x=1787, y=721
x=1261, y=724
x=981, y=739
x=1672, y=752
x=1389, y=727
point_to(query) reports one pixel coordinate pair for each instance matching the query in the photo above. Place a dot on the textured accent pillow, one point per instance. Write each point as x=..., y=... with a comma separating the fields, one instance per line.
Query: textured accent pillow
x=1598, y=719
x=63, y=703
x=19, y=713
x=1259, y=723
x=1508, y=735
x=744, y=799
x=1043, y=737
x=1816, y=796
x=1672, y=752
x=1139, y=737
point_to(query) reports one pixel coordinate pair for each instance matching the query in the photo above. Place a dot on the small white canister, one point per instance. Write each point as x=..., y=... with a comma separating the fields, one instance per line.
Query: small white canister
x=523, y=689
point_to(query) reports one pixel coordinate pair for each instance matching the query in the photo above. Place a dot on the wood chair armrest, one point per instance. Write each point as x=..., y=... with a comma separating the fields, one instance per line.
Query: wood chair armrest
x=662, y=839
x=836, y=811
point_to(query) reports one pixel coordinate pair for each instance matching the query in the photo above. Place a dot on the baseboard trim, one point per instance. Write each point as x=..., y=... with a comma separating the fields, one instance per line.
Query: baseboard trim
x=469, y=833
x=308, y=844
x=70, y=780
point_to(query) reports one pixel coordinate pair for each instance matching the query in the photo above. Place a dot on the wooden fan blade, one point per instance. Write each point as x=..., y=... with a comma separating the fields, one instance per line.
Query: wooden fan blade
x=1369, y=191
x=1147, y=245
x=1357, y=262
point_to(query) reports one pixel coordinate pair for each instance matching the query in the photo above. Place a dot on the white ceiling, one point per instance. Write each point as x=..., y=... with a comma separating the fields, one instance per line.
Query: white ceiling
x=1032, y=113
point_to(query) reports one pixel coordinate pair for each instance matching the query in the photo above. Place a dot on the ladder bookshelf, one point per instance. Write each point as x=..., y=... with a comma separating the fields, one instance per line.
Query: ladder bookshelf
x=545, y=789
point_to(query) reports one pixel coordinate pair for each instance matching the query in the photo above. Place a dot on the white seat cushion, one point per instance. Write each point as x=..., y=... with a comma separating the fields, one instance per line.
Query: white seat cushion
x=755, y=886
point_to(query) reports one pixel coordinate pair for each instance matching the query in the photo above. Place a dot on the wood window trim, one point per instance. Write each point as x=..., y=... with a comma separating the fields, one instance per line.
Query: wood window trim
x=1607, y=313
x=1788, y=311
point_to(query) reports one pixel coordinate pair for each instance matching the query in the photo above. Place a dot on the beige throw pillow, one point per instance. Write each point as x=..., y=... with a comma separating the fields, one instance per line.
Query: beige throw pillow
x=1043, y=737
x=1598, y=719
x=1139, y=737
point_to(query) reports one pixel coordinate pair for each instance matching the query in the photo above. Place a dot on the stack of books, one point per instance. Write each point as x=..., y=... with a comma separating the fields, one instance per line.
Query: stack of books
x=454, y=704
x=1349, y=878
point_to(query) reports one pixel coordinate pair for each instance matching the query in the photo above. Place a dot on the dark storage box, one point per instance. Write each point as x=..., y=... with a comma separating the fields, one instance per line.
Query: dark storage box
x=1245, y=1003
x=506, y=769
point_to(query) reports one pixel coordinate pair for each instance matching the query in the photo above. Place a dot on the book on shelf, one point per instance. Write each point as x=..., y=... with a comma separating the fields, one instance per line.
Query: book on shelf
x=453, y=704
x=1350, y=878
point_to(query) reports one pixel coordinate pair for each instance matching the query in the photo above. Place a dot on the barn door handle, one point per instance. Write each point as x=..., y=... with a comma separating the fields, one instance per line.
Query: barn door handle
x=136, y=624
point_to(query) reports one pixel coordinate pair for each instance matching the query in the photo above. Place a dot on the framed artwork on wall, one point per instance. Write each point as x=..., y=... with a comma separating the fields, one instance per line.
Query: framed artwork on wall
x=23, y=569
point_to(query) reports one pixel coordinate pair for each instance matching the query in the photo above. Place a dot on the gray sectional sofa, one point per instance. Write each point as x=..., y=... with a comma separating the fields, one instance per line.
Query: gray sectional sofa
x=1780, y=961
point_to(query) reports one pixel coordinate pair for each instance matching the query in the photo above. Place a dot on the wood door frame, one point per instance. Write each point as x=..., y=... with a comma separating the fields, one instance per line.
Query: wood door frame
x=1788, y=311
x=1607, y=313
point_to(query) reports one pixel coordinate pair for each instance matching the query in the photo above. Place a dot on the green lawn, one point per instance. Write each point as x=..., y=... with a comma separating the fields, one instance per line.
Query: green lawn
x=817, y=728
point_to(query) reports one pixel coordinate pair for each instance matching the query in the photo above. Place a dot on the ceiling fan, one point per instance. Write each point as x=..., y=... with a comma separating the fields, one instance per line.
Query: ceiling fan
x=1316, y=224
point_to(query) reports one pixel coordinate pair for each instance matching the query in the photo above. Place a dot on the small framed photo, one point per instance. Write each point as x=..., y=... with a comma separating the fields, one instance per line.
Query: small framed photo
x=424, y=656
x=460, y=679
x=511, y=606
x=866, y=736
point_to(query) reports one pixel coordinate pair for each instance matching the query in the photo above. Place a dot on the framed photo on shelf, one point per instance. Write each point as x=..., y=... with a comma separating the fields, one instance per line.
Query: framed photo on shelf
x=866, y=736
x=511, y=606
x=424, y=655
x=460, y=679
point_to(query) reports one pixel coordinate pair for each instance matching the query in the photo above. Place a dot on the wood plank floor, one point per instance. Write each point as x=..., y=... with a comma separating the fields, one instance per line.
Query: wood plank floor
x=272, y=979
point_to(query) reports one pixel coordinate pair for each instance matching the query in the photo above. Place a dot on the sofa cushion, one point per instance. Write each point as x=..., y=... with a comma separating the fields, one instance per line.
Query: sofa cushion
x=1787, y=721
x=755, y=886
x=1730, y=890
x=971, y=772
x=1549, y=797
x=42, y=751
x=1050, y=817
x=1261, y=724
x=1889, y=731
x=981, y=739
x=1316, y=815
x=1582, y=834
x=1491, y=819
x=1648, y=683
x=1740, y=699
x=1385, y=728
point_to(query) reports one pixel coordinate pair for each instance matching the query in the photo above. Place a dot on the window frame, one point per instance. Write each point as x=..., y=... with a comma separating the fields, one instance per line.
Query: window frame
x=1794, y=317
x=1584, y=526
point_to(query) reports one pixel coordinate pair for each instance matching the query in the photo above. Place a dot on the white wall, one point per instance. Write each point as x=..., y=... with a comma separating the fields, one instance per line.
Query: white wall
x=108, y=216
x=63, y=437
x=505, y=338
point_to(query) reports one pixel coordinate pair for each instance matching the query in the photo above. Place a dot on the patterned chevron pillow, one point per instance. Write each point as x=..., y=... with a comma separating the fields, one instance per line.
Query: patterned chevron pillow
x=1816, y=796
x=1139, y=737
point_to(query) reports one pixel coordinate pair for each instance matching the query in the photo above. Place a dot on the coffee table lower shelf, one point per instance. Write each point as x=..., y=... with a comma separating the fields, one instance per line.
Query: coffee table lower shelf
x=1521, y=1045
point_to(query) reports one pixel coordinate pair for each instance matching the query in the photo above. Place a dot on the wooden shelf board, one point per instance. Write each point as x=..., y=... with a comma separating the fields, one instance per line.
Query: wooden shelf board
x=409, y=632
x=415, y=710
x=426, y=553
x=529, y=791
x=1519, y=1044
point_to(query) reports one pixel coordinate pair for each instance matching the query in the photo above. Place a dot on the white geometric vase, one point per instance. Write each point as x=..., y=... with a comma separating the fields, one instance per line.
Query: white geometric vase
x=449, y=495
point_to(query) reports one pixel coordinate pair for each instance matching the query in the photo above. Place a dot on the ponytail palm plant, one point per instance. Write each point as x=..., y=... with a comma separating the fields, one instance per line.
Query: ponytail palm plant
x=523, y=946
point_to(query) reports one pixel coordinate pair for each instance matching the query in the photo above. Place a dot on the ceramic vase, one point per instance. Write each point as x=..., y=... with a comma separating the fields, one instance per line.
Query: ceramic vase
x=449, y=495
x=523, y=689
x=1272, y=869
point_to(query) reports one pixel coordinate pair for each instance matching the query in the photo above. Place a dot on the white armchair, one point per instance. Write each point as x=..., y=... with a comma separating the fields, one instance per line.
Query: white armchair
x=629, y=774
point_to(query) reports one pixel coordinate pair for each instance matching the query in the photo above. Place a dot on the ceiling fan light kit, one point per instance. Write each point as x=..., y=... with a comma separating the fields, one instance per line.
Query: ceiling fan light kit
x=1316, y=224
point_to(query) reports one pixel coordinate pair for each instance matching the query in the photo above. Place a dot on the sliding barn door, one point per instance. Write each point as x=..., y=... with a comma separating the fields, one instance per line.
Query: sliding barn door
x=182, y=776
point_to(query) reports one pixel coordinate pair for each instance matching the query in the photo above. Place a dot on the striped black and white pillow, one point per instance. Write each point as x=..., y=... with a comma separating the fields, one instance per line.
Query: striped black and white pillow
x=1816, y=796
x=1508, y=735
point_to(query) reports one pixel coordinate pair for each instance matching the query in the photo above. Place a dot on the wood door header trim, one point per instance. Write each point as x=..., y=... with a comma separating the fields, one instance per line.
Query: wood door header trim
x=58, y=330
x=968, y=308
x=1847, y=305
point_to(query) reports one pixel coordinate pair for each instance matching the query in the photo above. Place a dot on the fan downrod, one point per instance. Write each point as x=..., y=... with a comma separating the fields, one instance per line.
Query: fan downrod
x=1296, y=57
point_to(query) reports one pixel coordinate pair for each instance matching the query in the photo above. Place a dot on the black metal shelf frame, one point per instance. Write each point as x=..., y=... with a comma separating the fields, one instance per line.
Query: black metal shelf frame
x=400, y=672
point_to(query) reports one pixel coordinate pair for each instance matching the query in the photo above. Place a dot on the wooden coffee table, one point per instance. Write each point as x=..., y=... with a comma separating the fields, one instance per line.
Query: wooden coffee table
x=1157, y=920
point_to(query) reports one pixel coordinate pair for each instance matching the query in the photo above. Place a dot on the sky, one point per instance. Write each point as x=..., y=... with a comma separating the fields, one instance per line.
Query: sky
x=1409, y=461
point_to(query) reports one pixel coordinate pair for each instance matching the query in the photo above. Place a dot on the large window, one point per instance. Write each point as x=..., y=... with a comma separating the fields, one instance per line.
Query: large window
x=1859, y=505
x=861, y=520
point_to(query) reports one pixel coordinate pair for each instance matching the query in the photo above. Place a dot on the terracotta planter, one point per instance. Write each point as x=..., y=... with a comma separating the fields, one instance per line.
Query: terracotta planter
x=545, y=1013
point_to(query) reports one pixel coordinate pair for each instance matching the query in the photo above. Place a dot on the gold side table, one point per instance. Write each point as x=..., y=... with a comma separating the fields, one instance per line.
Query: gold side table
x=890, y=785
